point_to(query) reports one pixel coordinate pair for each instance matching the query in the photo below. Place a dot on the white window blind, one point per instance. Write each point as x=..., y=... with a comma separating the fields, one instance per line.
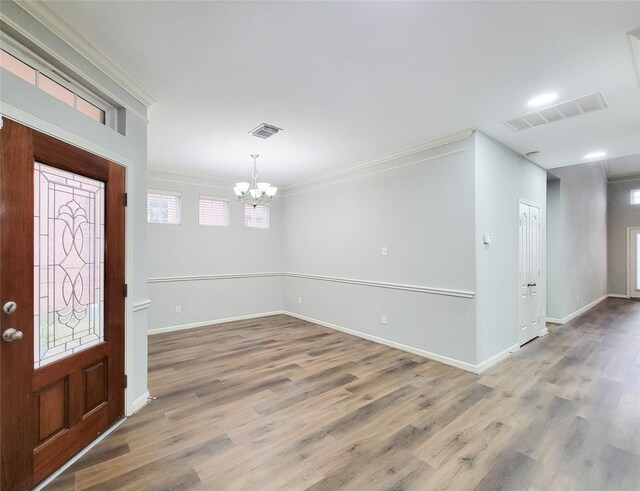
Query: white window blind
x=163, y=206
x=213, y=211
x=635, y=197
x=257, y=217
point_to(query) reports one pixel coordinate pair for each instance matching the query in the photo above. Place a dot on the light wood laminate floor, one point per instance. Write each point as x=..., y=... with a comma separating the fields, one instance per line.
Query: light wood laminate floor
x=279, y=403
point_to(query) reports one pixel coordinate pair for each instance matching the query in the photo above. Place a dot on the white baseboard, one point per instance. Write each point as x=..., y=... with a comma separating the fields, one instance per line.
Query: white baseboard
x=469, y=367
x=578, y=312
x=497, y=358
x=139, y=403
x=617, y=295
x=543, y=332
x=463, y=365
x=193, y=325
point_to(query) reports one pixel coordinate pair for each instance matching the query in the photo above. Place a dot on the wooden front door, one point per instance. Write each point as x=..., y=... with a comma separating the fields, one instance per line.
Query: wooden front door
x=62, y=299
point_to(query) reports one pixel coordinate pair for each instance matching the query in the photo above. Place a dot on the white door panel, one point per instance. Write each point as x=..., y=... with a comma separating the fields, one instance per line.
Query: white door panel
x=633, y=274
x=529, y=312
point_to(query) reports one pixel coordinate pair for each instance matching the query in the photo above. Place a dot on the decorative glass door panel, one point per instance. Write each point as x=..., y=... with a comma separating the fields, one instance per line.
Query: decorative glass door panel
x=68, y=263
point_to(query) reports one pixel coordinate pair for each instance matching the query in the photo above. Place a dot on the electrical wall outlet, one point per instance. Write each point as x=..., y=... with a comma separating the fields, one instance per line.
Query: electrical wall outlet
x=299, y=300
x=385, y=251
x=178, y=309
x=383, y=319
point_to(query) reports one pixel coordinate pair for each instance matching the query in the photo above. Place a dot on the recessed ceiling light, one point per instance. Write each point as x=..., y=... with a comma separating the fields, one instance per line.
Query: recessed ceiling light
x=542, y=99
x=595, y=155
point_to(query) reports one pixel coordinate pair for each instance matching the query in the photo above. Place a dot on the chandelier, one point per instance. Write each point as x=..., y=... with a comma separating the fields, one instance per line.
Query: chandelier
x=255, y=193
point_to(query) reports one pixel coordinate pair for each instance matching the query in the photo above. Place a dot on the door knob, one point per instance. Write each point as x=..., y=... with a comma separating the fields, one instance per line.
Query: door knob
x=10, y=335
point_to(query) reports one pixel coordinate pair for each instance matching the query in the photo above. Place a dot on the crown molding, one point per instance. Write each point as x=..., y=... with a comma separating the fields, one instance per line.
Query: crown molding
x=43, y=14
x=188, y=173
x=461, y=135
x=624, y=178
x=634, y=41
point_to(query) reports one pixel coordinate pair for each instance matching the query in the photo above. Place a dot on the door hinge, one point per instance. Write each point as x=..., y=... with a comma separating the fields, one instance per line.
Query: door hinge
x=126, y=199
x=126, y=381
x=126, y=290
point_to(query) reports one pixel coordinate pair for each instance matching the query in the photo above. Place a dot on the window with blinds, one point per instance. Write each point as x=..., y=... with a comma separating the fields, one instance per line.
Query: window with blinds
x=635, y=197
x=213, y=211
x=163, y=206
x=257, y=217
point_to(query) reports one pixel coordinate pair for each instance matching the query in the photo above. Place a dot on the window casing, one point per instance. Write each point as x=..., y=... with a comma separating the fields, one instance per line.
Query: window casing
x=213, y=211
x=257, y=217
x=163, y=207
x=635, y=197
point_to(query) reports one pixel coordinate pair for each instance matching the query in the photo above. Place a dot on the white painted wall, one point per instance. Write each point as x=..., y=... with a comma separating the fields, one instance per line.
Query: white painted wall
x=421, y=208
x=577, y=238
x=621, y=214
x=32, y=107
x=190, y=249
x=503, y=177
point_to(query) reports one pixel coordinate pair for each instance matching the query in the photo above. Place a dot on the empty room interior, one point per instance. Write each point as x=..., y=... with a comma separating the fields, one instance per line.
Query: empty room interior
x=319, y=245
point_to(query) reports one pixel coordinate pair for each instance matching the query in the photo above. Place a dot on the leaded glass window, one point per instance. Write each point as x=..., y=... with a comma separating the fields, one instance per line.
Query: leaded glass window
x=68, y=263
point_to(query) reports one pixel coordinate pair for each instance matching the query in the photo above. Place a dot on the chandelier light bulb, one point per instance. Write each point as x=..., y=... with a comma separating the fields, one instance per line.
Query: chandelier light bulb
x=255, y=193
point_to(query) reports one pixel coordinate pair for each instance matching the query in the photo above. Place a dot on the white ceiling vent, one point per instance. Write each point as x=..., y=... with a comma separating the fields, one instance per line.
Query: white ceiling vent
x=564, y=110
x=265, y=130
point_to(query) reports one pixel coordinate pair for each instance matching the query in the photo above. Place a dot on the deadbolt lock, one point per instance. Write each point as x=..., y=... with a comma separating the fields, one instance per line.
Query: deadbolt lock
x=9, y=307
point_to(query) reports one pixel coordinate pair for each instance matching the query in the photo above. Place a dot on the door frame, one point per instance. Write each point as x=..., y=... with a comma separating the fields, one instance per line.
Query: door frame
x=35, y=123
x=629, y=260
x=543, y=246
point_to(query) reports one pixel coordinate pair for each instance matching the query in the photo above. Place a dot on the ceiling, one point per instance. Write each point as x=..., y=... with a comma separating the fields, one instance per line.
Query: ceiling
x=622, y=167
x=355, y=81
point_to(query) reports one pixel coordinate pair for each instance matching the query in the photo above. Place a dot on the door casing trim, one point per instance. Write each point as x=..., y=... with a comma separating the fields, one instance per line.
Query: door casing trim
x=543, y=318
x=628, y=268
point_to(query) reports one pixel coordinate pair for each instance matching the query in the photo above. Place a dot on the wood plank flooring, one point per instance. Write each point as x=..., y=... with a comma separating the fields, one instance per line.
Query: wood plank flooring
x=278, y=403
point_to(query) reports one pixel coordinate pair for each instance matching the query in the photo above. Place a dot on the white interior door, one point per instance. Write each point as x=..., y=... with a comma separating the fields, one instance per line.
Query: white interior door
x=633, y=274
x=529, y=314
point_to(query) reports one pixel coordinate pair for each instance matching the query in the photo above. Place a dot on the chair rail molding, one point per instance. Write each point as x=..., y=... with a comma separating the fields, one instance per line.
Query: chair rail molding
x=336, y=279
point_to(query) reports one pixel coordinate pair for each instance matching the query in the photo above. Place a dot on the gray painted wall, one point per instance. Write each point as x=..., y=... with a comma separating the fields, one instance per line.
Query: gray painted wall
x=190, y=249
x=503, y=177
x=421, y=208
x=621, y=214
x=428, y=209
x=577, y=238
x=49, y=115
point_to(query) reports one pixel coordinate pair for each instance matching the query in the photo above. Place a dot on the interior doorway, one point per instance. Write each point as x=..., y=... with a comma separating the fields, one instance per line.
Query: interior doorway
x=529, y=309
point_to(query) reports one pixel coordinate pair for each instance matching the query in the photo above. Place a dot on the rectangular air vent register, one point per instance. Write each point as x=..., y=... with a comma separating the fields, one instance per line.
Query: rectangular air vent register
x=265, y=131
x=557, y=112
